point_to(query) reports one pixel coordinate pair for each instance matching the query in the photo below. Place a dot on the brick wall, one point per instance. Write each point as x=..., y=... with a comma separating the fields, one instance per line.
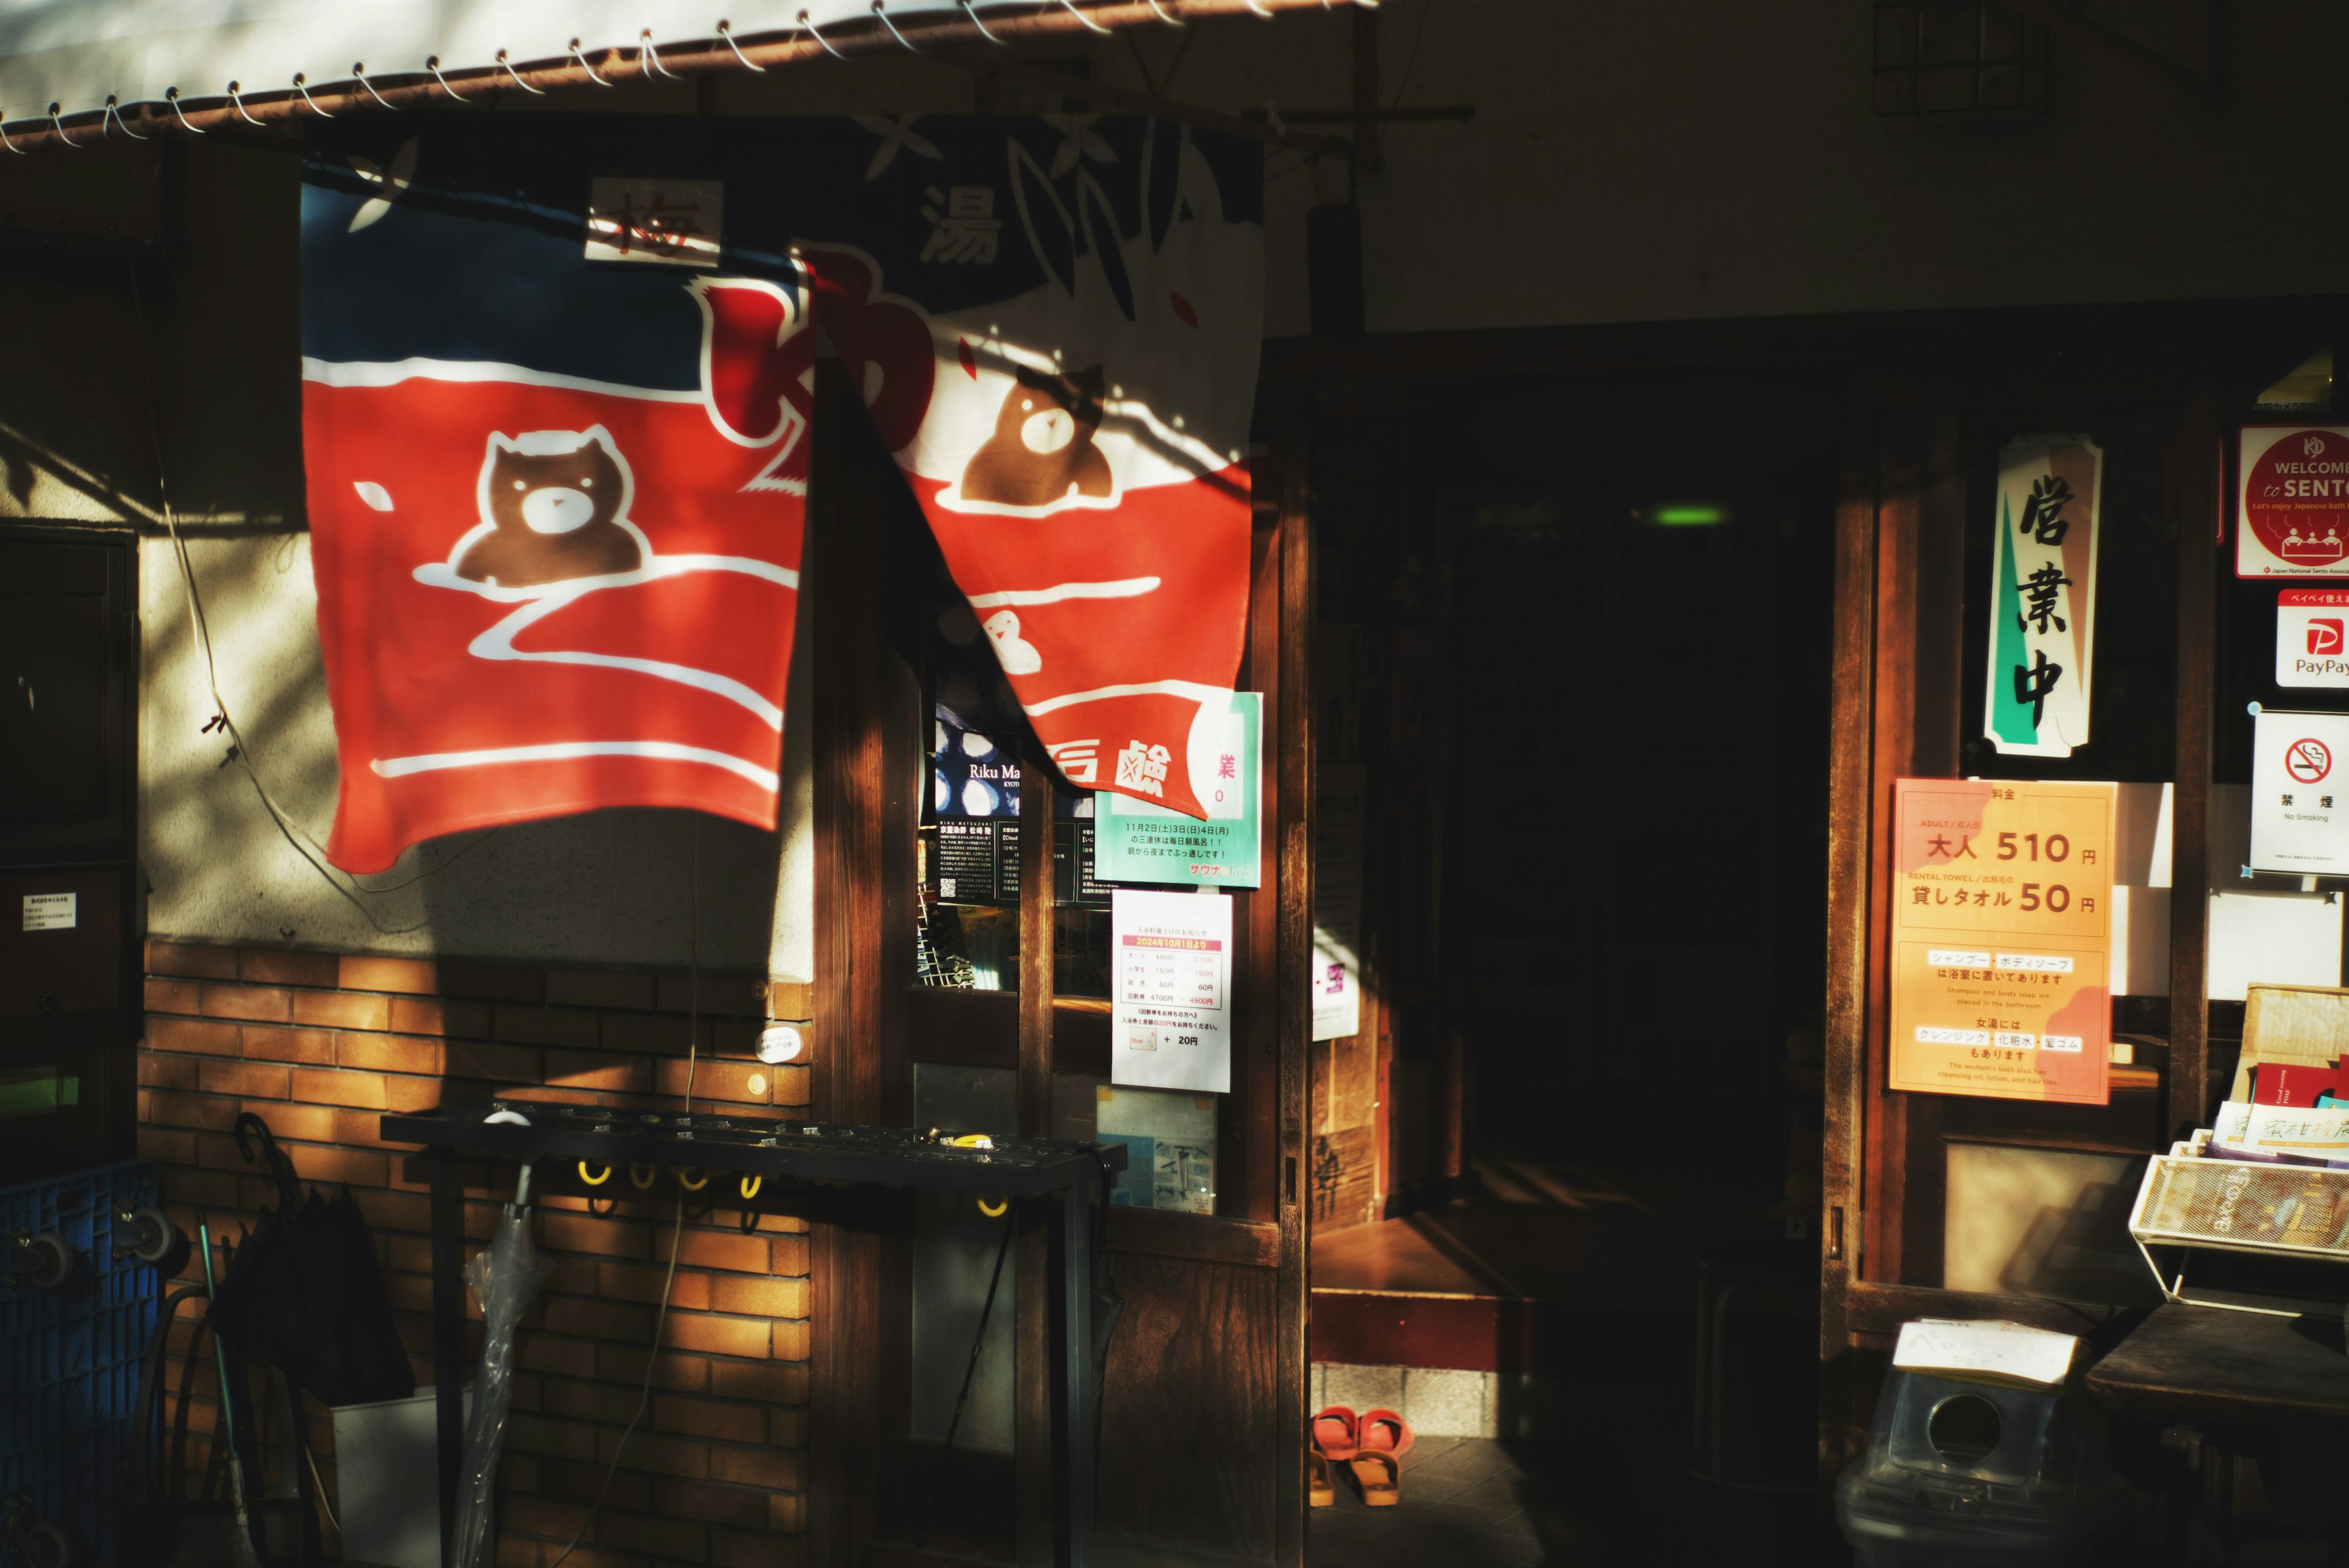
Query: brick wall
x=320, y=1045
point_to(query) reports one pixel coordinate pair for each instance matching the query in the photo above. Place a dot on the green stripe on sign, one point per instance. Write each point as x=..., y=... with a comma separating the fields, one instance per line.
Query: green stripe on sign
x=2010, y=720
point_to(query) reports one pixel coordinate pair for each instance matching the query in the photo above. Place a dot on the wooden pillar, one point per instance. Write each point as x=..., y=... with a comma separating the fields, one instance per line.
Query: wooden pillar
x=1851, y=717
x=1032, y=1419
x=861, y=729
x=2196, y=511
x=1292, y=722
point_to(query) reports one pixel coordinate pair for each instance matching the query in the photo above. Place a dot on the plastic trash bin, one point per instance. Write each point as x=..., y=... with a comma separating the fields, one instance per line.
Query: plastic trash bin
x=1961, y=1472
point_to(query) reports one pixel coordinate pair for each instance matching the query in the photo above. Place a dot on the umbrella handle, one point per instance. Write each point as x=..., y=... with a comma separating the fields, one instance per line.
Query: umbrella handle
x=280, y=1164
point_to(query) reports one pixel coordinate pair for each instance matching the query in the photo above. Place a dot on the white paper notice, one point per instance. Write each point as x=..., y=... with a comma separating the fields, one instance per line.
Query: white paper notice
x=1337, y=900
x=1171, y=1023
x=1998, y=1349
x=50, y=911
x=2299, y=793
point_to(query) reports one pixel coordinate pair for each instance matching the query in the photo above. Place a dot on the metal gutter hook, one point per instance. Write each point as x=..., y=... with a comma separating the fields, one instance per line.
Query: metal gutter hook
x=971, y=14
x=172, y=97
x=524, y=86
x=877, y=11
x=820, y=38
x=580, y=55
x=726, y=31
x=114, y=113
x=433, y=65
x=358, y=71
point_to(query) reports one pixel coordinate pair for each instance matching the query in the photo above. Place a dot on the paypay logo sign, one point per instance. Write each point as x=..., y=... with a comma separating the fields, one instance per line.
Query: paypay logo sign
x=2310, y=650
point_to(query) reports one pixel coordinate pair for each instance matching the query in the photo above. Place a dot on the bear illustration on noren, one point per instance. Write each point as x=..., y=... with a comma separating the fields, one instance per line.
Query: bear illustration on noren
x=553, y=506
x=1042, y=450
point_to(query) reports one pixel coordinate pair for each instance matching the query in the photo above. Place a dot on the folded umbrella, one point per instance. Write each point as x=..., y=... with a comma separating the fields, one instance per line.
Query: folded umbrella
x=504, y=1276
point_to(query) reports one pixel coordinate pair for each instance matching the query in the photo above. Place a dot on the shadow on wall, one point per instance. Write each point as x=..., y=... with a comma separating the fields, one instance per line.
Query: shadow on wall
x=624, y=886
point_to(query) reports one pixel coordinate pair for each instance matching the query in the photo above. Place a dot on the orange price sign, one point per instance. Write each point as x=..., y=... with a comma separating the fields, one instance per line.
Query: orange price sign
x=2002, y=939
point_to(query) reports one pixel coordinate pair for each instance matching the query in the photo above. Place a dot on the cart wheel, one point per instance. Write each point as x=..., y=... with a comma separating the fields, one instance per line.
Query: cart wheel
x=45, y=1546
x=149, y=1235
x=46, y=1260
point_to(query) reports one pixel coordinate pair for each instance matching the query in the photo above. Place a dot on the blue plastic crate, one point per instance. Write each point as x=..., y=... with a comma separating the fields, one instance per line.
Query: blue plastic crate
x=70, y=1356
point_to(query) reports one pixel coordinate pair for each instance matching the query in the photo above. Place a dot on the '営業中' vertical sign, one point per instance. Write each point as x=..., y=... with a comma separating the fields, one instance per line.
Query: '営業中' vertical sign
x=2292, y=511
x=2001, y=925
x=2043, y=596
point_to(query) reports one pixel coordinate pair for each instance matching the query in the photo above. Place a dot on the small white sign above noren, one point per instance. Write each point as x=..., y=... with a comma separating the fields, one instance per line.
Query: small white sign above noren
x=668, y=222
x=51, y=910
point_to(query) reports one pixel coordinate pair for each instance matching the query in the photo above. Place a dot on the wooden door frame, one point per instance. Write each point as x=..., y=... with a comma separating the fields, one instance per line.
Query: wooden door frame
x=866, y=1006
x=1893, y=712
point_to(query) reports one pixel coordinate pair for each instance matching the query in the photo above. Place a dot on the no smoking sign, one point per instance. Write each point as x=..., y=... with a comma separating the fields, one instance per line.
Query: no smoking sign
x=2298, y=822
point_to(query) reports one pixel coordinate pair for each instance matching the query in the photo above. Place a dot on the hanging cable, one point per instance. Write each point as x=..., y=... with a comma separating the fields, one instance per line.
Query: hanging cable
x=726, y=31
x=299, y=838
x=693, y=966
x=644, y=1398
x=970, y=1372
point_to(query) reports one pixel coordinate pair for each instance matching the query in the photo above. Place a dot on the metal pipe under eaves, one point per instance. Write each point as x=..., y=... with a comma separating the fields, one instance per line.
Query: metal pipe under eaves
x=251, y=105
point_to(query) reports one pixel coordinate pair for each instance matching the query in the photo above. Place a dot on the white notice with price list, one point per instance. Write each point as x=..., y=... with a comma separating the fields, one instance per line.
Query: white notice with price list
x=1171, y=980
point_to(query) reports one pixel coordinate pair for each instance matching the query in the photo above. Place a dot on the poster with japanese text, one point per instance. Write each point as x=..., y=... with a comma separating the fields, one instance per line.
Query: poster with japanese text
x=1137, y=841
x=2291, y=501
x=2300, y=792
x=2002, y=939
x=2043, y=596
x=1170, y=987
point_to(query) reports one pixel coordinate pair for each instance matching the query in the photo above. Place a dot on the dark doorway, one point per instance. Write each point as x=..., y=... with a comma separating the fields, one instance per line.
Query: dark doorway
x=1587, y=616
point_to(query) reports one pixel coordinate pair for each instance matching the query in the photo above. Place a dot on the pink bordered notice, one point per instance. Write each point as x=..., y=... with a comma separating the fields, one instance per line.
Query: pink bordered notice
x=1171, y=957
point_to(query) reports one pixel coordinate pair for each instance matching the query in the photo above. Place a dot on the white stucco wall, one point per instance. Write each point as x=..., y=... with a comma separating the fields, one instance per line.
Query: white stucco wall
x=75, y=444
x=607, y=886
